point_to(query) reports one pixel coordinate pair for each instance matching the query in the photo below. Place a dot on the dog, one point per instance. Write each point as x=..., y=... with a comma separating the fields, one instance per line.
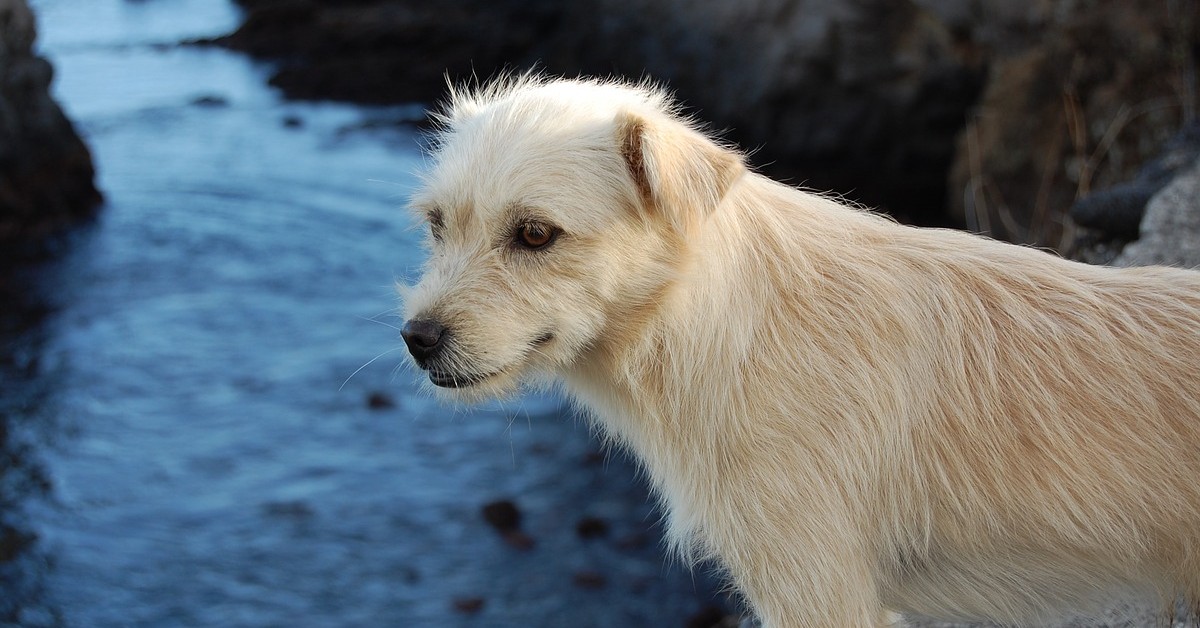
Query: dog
x=853, y=417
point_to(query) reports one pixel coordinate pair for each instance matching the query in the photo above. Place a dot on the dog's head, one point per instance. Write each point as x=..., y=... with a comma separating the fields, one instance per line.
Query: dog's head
x=559, y=212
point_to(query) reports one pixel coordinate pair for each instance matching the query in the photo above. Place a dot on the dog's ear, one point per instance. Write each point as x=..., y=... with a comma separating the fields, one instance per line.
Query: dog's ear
x=680, y=174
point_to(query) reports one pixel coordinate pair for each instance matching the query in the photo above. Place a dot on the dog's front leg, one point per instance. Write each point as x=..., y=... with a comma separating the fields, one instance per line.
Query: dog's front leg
x=824, y=587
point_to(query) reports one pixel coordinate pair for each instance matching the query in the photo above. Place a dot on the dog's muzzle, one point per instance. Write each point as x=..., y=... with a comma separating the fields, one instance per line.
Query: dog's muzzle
x=427, y=341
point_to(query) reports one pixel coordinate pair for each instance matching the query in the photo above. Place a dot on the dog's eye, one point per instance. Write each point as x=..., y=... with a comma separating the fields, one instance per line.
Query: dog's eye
x=535, y=235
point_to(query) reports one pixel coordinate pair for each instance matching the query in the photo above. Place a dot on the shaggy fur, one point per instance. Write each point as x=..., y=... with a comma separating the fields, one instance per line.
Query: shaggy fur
x=851, y=415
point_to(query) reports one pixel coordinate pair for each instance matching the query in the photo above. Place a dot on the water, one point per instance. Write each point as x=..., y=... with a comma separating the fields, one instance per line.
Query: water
x=179, y=442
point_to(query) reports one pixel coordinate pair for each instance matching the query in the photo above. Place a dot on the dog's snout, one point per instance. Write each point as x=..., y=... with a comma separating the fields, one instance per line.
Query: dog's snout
x=424, y=338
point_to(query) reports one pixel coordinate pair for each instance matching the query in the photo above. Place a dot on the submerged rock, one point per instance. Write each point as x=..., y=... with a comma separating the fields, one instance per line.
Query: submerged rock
x=46, y=172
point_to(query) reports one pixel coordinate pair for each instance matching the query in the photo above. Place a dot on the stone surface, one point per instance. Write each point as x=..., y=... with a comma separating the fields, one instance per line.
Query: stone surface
x=1117, y=211
x=46, y=172
x=1171, y=227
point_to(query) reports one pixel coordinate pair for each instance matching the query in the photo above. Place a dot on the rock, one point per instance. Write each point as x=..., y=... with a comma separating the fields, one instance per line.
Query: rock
x=389, y=51
x=46, y=172
x=518, y=540
x=828, y=90
x=1171, y=227
x=211, y=100
x=1118, y=210
x=591, y=528
x=502, y=515
x=380, y=401
x=587, y=579
x=865, y=98
x=468, y=605
x=707, y=617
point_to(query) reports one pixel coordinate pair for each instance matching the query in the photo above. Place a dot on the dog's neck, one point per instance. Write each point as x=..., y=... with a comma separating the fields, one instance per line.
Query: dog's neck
x=642, y=391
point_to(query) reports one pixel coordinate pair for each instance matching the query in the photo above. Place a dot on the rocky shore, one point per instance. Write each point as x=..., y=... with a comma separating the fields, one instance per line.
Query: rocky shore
x=993, y=115
x=46, y=172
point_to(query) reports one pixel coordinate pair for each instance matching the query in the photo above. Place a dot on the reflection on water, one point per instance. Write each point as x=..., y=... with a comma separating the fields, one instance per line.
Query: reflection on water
x=181, y=444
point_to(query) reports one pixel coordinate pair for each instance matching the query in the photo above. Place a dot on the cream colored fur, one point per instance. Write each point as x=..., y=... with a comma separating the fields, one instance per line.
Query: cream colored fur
x=852, y=416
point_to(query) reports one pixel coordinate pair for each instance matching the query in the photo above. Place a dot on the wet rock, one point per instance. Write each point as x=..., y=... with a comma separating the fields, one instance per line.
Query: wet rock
x=633, y=541
x=468, y=605
x=709, y=617
x=519, y=540
x=13, y=541
x=505, y=517
x=588, y=579
x=211, y=101
x=46, y=172
x=380, y=401
x=502, y=515
x=591, y=528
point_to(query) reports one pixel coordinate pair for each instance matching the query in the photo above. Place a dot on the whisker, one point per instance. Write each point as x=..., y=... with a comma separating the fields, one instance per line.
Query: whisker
x=381, y=323
x=369, y=362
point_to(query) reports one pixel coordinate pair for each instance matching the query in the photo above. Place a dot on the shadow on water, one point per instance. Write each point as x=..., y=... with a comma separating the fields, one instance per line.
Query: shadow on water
x=28, y=307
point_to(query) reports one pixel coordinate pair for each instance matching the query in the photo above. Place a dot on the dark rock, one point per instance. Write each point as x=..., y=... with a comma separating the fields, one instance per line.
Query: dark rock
x=13, y=541
x=829, y=91
x=46, y=172
x=389, y=51
x=634, y=541
x=588, y=579
x=502, y=515
x=866, y=98
x=591, y=528
x=468, y=605
x=518, y=540
x=707, y=617
x=1117, y=211
x=211, y=101
x=1170, y=229
x=380, y=401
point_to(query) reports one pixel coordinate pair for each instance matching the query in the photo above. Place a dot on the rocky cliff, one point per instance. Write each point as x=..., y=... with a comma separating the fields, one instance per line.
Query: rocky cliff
x=46, y=173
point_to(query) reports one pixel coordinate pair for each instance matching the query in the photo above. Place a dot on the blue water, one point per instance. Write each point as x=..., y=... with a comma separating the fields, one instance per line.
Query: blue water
x=185, y=444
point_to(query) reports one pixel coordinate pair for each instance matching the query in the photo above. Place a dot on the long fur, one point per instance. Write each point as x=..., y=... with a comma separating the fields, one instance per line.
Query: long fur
x=851, y=415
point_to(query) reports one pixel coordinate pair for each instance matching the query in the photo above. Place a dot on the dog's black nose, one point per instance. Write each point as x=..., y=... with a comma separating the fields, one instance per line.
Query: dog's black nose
x=424, y=338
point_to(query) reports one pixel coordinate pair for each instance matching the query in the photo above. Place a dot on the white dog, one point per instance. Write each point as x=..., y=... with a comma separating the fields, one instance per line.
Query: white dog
x=853, y=416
